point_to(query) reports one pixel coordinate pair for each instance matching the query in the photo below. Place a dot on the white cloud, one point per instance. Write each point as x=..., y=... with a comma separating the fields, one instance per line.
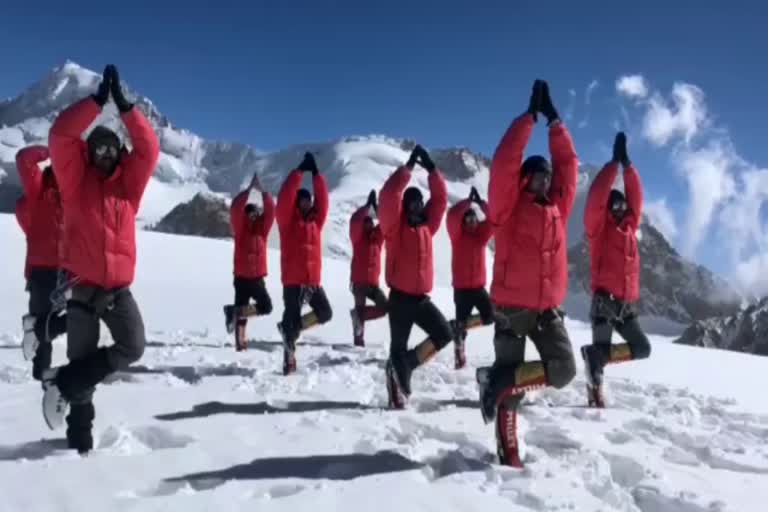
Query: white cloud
x=661, y=217
x=587, y=101
x=590, y=89
x=632, y=86
x=726, y=194
x=571, y=104
x=708, y=172
x=685, y=117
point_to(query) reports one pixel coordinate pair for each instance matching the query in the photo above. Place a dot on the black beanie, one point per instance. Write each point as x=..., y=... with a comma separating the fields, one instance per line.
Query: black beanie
x=303, y=193
x=412, y=194
x=535, y=164
x=102, y=135
x=615, y=195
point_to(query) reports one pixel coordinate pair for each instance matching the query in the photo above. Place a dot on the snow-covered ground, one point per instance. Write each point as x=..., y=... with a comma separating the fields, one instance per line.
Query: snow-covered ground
x=196, y=426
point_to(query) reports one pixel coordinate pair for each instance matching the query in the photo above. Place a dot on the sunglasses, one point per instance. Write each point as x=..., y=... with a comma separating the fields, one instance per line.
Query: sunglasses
x=106, y=150
x=619, y=206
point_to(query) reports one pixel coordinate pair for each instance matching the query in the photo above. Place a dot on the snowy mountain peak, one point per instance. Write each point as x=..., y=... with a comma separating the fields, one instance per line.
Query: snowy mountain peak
x=62, y=86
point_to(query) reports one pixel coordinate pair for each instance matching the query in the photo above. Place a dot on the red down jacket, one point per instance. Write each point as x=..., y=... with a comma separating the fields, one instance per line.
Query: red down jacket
x=366, y=249
x=409, y=266
x=251, y=236
x=301, y=238
x=530, y=268
x=468, y=247
x=614, y=259
x=39, y=212
x=99, y=210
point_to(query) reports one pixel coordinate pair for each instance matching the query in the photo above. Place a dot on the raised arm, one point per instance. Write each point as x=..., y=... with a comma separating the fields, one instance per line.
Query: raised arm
x=27, y=160
x=286, y=198
x=139, y=164
x=438, y=200
x=237, y=211
x=356, y=223
x=391, y=199
x=455, y=218
x=596, y=209
x=267, y=218
x=633, y=191
x=22, y=214
x=320, y=189
x=68, y=156
x=485, y=229
x=504, y=183
x=565, y=167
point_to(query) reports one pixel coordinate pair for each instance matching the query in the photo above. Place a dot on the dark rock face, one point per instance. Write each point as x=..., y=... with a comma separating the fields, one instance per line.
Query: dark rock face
x=743, y=331
x=204, y=215
x=670, y=286
x=9, y=193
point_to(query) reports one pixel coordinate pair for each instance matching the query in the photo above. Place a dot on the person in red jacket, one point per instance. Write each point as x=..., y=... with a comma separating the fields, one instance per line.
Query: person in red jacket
x=40, y=217
x=251, y=216
x=101, y=187
x=301, y=222
x=611, y=220
x=367, y=239
x=409, y=225
x=469, y=238
x=528, y=204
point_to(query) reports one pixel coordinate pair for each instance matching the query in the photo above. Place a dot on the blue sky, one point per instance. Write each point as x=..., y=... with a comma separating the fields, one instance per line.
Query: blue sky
x=271, y=75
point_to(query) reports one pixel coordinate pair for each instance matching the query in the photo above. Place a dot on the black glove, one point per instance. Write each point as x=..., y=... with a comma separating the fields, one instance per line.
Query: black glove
x=414, y=156
x=123, y=105
x=620, y=149
x=102, y=95
x=309, y=164
x=425, y=161
x=474, y=196
x=547, y=108
x=371, y=199
x=537, y=94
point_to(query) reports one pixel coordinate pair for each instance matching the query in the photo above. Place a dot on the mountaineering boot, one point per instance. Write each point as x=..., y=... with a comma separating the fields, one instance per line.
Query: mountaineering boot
x=357, y=327
x=29, y=342
x=79, y=426
x=498, y=382
x=54, y=404
x=395, y=395
x=241, y=343
x=399, y=370
x=594, y=360
x=507, y=447
x=229, y=318
x=459, y=337
x=289, y=351
x=289, y=361
x=63, y=383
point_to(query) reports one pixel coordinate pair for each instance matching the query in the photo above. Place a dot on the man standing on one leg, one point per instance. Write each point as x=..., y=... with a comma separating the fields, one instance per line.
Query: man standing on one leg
x=469, y=238
x=408, y=227
x=367, y=239
x=611, y=220
x=251, y=215
x=40, y=217
x=101, y=188
x=301, y=225
x=528, y=204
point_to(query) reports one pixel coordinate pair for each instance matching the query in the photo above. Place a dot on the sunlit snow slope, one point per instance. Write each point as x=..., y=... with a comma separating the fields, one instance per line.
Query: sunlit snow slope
x=196, y=426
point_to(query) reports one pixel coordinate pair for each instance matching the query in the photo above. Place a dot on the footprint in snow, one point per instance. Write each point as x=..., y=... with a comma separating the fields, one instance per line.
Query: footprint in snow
x=141, y=439
x=649, y=499
x=552, y=439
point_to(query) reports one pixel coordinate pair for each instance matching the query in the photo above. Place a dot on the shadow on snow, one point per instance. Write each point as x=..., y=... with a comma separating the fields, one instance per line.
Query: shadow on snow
x=212, y=408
